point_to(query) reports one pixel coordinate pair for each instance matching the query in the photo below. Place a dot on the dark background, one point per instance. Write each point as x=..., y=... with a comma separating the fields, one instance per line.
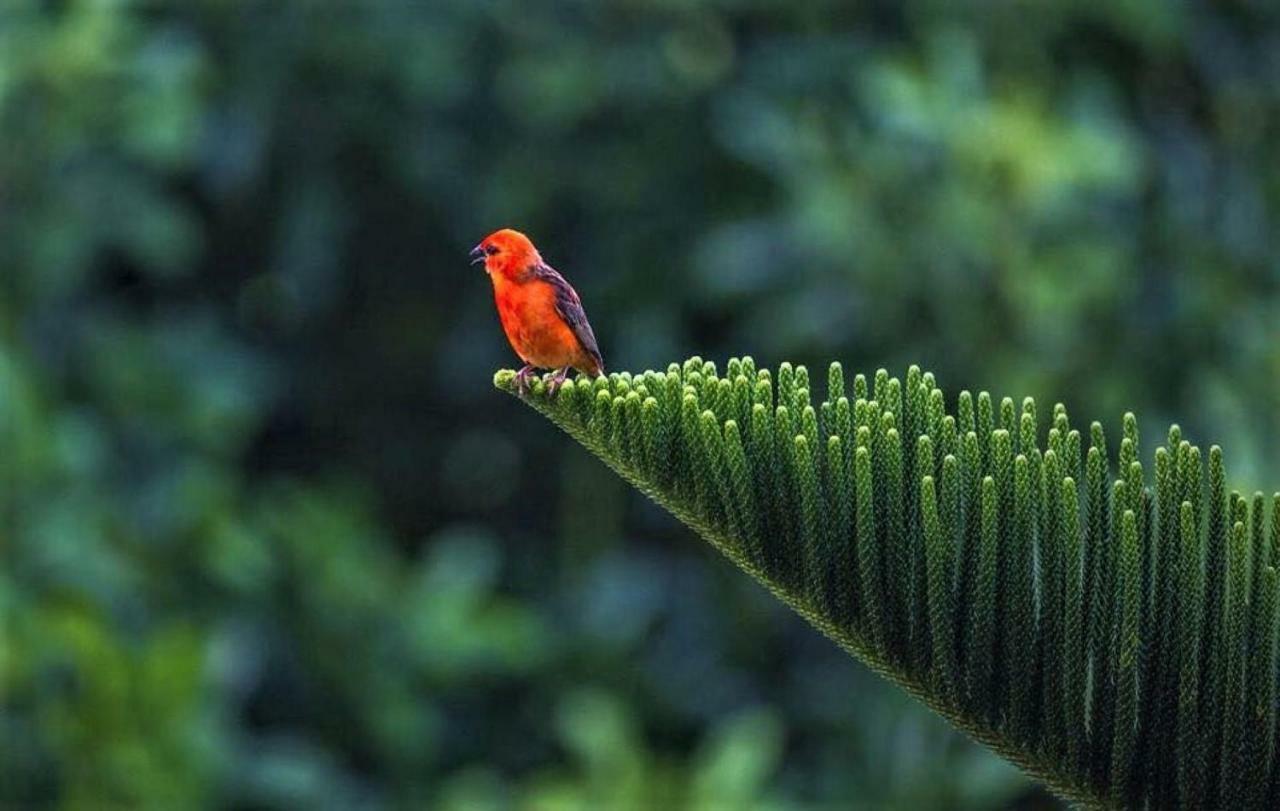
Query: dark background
x=272, y=540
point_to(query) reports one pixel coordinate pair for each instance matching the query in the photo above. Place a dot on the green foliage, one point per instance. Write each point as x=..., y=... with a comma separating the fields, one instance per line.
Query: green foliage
x=1089, y=653
x=238, y=350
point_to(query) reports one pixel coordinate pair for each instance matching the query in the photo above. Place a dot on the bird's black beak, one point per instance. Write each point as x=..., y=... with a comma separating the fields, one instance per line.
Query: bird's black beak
x=477, y=255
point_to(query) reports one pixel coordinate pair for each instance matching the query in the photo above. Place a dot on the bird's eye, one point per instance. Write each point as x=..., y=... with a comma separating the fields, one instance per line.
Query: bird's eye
x=491, y=250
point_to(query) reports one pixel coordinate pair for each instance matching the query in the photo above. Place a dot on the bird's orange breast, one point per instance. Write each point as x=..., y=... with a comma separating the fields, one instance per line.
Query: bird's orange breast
x=533, y=325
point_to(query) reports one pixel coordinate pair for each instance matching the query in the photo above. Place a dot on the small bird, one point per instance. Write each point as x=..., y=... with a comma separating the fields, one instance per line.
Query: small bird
x=540, y=311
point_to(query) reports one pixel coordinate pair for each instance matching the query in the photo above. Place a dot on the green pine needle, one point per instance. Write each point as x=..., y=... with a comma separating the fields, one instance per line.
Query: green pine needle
x=1115, y=638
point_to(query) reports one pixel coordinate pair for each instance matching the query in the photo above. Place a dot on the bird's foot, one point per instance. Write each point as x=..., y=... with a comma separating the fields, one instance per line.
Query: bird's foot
x=556, y=381
x=522, y=380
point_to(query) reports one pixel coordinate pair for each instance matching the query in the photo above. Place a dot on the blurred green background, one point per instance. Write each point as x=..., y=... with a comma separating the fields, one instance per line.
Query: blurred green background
x=272, y=541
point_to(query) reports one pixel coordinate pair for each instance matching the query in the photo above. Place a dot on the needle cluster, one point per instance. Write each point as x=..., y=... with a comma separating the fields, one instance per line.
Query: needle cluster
x=1113, y=633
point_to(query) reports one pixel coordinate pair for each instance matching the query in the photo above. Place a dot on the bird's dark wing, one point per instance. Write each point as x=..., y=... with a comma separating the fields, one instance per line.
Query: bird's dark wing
x=569, y=306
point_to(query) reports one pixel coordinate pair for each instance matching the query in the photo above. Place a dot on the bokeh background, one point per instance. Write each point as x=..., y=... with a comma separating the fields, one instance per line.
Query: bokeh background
x=272, y=541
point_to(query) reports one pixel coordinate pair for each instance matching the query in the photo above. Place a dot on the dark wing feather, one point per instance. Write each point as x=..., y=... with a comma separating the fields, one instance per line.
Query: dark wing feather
x=569, y=306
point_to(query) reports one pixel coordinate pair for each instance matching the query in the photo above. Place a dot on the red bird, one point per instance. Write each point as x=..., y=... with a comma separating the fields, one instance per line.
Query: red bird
x=540, y=311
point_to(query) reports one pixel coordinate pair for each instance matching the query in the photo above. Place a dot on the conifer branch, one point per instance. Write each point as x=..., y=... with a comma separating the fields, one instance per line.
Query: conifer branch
x=1115, y=639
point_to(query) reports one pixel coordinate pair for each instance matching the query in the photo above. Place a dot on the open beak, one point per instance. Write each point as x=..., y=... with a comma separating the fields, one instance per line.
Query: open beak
x=477, y=255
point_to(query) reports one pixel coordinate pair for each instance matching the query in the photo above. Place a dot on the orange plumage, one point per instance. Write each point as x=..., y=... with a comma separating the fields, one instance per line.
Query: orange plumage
x=540, y=311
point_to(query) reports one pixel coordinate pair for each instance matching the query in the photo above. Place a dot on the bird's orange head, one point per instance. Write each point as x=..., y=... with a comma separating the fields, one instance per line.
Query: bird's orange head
x=507, y=252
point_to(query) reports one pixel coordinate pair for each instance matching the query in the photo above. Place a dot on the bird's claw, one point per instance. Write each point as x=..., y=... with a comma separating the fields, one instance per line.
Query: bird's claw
x=522, y=380
x=553, y=381
x=556, y=381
